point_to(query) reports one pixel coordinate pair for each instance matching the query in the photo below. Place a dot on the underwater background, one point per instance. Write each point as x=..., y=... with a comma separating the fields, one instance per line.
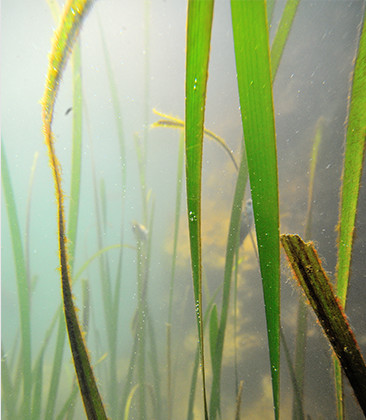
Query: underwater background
x=145, y=42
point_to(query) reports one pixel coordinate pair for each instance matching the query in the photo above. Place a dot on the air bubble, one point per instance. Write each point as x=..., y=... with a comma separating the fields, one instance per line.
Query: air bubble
x=192, y=216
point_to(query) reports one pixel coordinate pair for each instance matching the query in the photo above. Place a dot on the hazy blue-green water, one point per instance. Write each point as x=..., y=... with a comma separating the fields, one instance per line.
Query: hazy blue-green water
x=312, y=81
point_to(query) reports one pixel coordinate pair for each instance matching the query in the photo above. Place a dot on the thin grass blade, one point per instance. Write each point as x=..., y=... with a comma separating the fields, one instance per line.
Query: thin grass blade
x=302, y=311
x=7, y=388
x=69, y=404
x=255, y=92
x=199, y=24
x=27, y=225
x=38, y=388
x=192, y=391
x=238, y=400
x=37, y=374
x=56, y=366
x=214, y=328
x=112, y=389
x=22, y=284
x=178, y=200
x=232, y=245
x=282, y=33
x=352, y=170
x=298, y=410
x=313, y=162
x=354, y=155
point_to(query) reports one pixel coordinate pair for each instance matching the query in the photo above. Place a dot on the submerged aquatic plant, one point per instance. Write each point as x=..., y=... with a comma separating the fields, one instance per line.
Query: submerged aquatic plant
x=316, y=285
x=69, y=27
x=139, y=392
x=23, y=293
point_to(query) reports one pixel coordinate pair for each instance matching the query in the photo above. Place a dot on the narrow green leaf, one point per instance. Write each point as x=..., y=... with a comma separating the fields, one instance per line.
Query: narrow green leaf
x=199, y=24
x=176, y=224
x=352, y=170
x=7, y=388
x=129, y=377
x=214, y=328
x=270, y=6
x=313, y=161
x=37, y=389
x=22, y=284
x=302, y=311
x=37, y=374
x=113, y=320
x=354, y=155
x=69, y=404
x=282, y=33
x=192, y=391
x=56, y=366
x=238, y=400
x=338, y=384
x=116, y=107
x=27, y=226
x=178, y=200
x=255, y=91
x=155, y=369
x=96, y=255
x=232, y=244
x=298, y=411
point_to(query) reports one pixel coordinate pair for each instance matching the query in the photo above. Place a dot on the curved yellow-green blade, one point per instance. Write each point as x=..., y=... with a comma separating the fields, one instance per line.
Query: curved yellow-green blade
x=255, y=91
x=199, y=24
x=74, y=200
x=65, y=37
x=173, y=122
x=129, y=401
